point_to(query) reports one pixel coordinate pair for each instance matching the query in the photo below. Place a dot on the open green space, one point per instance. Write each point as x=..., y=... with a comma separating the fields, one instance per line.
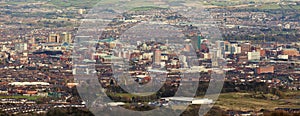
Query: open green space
x=253, y=101
x=59, y=3
x=145, y=8
x=21, y=97
x=129, y=95
x=264, y=5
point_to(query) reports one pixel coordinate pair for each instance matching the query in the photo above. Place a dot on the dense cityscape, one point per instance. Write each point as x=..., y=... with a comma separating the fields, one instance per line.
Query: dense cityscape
x=260, y=49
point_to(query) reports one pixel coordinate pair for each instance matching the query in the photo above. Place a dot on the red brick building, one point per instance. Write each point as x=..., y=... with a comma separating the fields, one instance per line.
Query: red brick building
x=242, y=59
x=290, y=52
x=245, y=47
x=265, y=69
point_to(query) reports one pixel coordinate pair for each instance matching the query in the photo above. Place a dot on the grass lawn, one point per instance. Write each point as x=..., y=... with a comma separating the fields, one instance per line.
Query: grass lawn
x=145, y=8
x=129, y=95
x=21, y=97
x=242, y=101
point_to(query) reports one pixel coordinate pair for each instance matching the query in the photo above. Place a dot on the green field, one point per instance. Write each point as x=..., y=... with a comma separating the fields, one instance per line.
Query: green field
x=243, y=101
x=249, y=101
x=21, y=97
x=59, y=3
x=129, y=95
x=265, y=5
x=145, y=8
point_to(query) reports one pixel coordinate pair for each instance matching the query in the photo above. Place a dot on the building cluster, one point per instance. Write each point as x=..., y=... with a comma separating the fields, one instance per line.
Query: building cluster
x=38, y=63
x=273, y=63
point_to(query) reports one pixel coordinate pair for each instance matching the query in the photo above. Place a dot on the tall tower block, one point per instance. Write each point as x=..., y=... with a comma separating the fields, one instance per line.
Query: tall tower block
x=157, y=57
x=199, y=40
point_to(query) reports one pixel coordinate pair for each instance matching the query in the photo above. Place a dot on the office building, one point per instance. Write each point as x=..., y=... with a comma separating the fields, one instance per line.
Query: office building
x=66, y=37
x=253, y=55
x=54, y=38
x=157, y=57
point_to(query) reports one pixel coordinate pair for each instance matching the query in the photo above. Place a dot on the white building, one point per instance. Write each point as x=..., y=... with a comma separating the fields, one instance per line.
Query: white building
x=21, y=47
x=188, y=100
x=235, y=49
x=253, y=55
x=29, y=83
x=283, y=57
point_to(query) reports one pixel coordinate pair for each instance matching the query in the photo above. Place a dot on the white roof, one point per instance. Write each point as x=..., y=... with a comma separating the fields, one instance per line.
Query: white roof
x=115, y=103
x=157, y=71
x=187, y=99
x=190, y=99
x=29, y=83
x=141, y=76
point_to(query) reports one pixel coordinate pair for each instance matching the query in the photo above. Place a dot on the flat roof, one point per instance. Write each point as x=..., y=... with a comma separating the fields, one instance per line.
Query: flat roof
x=190, y=99
x=29, y=83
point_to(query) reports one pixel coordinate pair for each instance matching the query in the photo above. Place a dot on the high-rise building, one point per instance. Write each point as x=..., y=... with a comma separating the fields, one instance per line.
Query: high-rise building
x=54, y=38
x=227, y=48
x=199, y=41
x=157, y=57
x=21, y=47
x=220, y=44
x=221, y=47
x=245, y=47
x=235, y=49
x=66, y=37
